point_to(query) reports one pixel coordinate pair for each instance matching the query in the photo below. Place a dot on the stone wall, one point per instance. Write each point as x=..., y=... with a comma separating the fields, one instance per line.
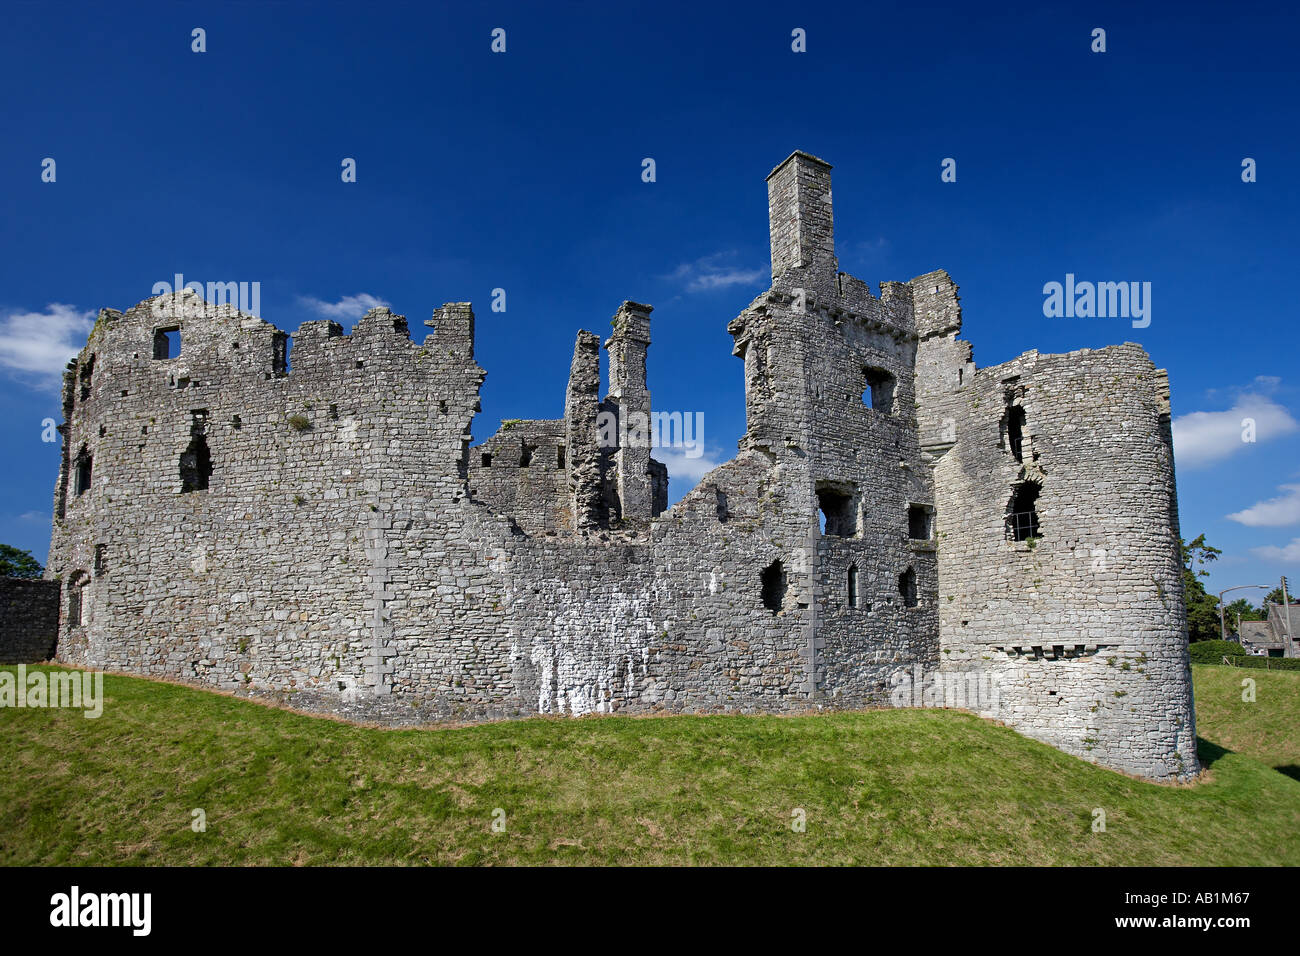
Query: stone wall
x=522, y=471
x=812, y=349
x=284, y=571
x=303, y=517
x=29, y=620
x=1081, y=623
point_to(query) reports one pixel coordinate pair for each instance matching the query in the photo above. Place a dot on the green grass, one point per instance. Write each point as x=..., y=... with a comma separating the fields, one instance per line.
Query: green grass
x=879, y=787
x=1267, y=729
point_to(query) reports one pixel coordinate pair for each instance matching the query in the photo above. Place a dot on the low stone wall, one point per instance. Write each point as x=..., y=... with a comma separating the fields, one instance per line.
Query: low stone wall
x=29, y=620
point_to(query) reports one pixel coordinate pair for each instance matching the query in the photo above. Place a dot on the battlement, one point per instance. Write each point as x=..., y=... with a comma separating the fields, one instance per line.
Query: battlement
x=888, y=316
x=183, y=329
x=178, y=395
x=179, y=343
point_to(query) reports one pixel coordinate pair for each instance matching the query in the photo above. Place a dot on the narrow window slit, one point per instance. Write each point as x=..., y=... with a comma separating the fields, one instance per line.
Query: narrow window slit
x=907, y=587
x=84, y=472
x=196, y=461
x=772, y=579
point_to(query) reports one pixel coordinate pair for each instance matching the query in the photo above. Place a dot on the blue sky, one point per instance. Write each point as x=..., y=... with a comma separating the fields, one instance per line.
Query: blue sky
x=522, y=171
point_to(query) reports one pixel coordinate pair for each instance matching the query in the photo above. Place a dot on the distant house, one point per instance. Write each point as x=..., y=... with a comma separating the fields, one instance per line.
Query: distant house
x=1271, y=638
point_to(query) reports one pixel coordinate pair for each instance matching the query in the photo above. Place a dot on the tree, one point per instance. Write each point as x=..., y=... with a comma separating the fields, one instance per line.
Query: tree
x=18, y=564
x=1275, y=596
x=1243, y=610
x=1202, y=607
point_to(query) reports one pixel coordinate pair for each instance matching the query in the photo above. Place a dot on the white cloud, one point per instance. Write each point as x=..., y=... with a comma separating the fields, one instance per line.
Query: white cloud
x=714, y=272
x=1289, y=554
x=684, y=473
x=348, y=307
x=41, y=343
x=35, y=517
x=1201, y=438
x=720, y=280
x=1282, y=510
x=1259, y=385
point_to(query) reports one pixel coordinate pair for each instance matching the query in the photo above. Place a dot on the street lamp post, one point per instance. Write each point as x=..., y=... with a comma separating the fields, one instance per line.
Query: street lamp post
x=1286, y=606
x=1223, y=630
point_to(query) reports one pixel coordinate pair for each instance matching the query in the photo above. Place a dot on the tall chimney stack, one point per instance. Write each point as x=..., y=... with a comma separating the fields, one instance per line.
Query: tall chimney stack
x=627, y=347
x=799, y=216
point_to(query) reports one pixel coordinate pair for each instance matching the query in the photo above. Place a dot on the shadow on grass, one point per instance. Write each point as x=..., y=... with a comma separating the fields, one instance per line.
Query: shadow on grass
x=1209, y=752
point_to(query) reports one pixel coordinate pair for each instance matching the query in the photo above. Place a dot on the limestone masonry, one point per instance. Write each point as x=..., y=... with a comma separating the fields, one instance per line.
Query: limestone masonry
x=314, y=523
x=29, y=620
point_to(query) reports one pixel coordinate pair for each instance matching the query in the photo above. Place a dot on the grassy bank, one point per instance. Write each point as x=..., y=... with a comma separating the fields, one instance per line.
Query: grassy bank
x=881, y=787
x=1267, y=728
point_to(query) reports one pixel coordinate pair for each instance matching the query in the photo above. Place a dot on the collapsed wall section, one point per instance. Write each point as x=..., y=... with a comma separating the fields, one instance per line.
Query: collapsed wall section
x=684, y=622
x=590, y=471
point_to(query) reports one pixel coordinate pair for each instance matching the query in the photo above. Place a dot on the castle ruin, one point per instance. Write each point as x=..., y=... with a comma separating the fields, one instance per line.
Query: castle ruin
x=324, y=531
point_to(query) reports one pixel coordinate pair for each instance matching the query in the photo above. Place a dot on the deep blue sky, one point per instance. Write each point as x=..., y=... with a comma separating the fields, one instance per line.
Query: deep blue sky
x=523, y=171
